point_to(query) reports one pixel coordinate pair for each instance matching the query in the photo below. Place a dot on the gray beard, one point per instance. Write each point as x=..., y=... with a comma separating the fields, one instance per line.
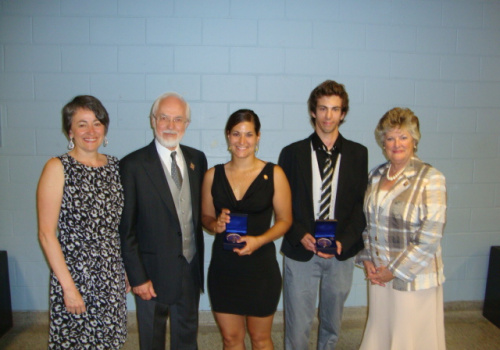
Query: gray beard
x=167, y=144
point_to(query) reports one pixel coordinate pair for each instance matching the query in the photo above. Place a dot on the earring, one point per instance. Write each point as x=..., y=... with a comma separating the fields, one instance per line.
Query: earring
x=256, y=148
x=105, y=143
x=71, y=144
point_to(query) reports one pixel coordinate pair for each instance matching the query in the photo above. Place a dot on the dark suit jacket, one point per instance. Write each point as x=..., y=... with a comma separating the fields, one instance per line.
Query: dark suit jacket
x=295, y=159
x=150, y=231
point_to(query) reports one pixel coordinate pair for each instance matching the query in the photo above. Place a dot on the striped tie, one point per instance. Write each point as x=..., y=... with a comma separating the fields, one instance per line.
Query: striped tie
x=175, y=171
x=326, y=186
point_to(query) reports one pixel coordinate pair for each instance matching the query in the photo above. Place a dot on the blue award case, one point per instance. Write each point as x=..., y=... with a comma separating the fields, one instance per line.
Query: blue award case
x=324, y=233
x=236, y=228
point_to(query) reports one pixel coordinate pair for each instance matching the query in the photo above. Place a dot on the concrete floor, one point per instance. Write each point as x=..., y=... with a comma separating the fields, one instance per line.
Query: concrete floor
x=466, y=329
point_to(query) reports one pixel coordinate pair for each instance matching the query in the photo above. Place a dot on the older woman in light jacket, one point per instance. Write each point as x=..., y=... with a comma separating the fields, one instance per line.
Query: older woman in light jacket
x=405, y=208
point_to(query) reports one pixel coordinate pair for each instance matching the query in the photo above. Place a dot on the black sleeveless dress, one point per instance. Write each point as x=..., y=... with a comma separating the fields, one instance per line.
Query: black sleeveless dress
x=245, y=285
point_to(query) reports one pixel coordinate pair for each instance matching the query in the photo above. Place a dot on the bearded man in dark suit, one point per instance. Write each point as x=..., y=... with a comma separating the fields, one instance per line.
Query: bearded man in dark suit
x=161, y=232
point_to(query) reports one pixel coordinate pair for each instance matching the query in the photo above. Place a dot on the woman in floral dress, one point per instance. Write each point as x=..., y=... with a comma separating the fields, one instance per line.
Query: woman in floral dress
x=80, y=197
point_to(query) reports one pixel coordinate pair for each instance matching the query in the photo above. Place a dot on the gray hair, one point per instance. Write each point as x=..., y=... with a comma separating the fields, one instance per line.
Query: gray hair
x=165, y=95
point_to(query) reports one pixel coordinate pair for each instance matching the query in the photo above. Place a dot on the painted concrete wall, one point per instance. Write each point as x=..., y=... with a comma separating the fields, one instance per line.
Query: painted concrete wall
x=440, y=58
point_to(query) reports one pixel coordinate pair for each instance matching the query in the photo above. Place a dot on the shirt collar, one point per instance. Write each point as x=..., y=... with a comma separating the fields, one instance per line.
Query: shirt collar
x=165, y=153
x=317, y=144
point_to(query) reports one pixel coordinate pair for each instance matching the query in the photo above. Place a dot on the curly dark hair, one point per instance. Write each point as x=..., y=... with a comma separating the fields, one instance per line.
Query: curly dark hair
x=327, y=88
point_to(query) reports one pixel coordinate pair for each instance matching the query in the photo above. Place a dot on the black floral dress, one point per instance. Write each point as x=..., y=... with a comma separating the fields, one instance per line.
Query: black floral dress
x=88, y=232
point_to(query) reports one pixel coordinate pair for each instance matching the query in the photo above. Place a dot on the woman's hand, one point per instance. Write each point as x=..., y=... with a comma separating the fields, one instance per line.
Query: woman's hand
x=383, y=275
x=128, y=288
x=370, y=271
x=221, y=221
x=252, y=244
x=74, y=302
x=377, y=275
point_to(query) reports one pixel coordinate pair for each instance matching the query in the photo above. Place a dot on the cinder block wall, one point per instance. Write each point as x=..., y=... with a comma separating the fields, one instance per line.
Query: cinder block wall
x=440, y=58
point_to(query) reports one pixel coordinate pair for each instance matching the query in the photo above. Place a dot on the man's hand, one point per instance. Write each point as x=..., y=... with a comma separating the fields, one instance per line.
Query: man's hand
x=145, y=291
x=309, y=242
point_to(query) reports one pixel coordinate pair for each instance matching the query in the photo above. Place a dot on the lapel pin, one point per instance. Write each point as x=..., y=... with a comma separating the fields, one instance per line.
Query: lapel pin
x=265, y=177
x=191, y=165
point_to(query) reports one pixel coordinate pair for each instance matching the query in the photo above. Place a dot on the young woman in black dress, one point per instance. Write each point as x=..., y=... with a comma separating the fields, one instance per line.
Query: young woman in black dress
x=244, y=283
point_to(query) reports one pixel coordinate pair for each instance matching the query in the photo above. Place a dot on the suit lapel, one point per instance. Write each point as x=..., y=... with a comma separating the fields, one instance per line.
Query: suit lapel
x=154, y=168
x=344, y=178
x=305, y=173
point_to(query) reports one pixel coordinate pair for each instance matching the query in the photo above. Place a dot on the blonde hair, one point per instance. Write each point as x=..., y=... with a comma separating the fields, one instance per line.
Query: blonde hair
x=398, y=118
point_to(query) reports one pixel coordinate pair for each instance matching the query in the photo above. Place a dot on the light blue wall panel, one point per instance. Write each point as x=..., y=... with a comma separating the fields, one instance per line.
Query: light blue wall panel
x=174, y=31
x=492, y=15
x=15, y=29
x=416, y=13
x=228, y=88
x=365, y=63
x=391, y=38
x=460, y=68
x=60, y=30
x=202, y=8
x=201, y=59
x=245, y=60
x=229, y=32
x=22, y=58
x=283, y=88
x=439, y=58
x=402, y=91
x=150, y=59
x=98, y=8
x=16, y=86
x=478, y=42
x=146, y=8
x=17, y=142
x=89, y=59
x=32, y=7
x=117, y=31
x=279, y=33
x=436, y=40
x=188, y=85
x=313, y=10
x=462, y=14
x=328, y=34
x=490, y=68
x=258, y=9
x=306, y=61
x=488, y=120
x=60, y=86
x=471, y=195
x=128, y=87
x=485, y=219
x=434, y=93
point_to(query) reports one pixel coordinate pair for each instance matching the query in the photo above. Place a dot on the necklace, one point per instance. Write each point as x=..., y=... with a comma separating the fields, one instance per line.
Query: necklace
x=395, y=176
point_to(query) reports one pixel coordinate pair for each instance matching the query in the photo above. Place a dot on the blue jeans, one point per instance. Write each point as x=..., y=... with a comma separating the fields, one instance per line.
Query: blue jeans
x=302, y=280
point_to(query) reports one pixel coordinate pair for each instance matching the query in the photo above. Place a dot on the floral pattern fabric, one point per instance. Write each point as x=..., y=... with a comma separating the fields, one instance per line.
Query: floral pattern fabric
x=88, y=233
